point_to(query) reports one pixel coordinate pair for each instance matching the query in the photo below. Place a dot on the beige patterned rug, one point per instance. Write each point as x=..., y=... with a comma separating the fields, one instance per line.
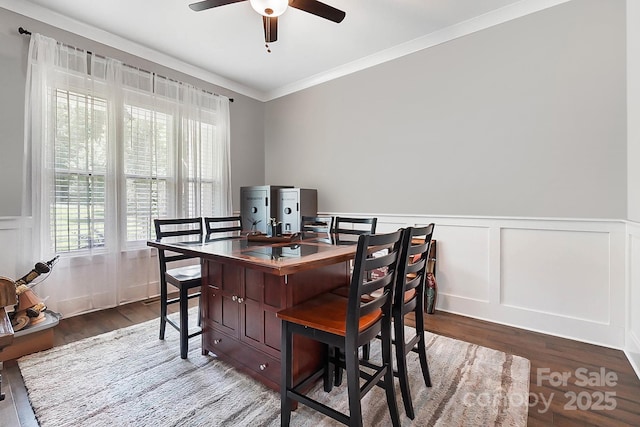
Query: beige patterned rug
x=130, y=378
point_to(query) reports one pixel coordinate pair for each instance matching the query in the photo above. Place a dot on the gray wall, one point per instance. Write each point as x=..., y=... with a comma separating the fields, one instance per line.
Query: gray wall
x=633, y=114
x=247, y=114
x=523, y=119
x=527, y=118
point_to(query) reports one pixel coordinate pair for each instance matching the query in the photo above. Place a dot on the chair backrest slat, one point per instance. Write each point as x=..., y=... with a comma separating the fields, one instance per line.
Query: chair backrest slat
x=316, y=224
x=223, y=224
x=364, y=282
x=347, y=225
x=175, y=227
x=412, y=269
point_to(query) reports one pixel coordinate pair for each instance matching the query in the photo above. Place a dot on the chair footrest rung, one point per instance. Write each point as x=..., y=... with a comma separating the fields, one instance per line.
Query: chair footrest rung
x=177, y=328
x=177, y=299
x=320, y=407
x=195, y=334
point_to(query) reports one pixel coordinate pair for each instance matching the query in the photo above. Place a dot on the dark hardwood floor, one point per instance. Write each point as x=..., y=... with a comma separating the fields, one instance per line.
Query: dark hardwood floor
x=603, y=401
x=588, y=397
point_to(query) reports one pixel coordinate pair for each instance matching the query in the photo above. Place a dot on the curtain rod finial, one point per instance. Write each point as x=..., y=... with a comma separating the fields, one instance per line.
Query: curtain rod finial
x=23, y=31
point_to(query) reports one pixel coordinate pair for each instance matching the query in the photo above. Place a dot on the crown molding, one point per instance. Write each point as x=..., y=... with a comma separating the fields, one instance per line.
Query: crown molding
x=71, y=25
x=487, y=20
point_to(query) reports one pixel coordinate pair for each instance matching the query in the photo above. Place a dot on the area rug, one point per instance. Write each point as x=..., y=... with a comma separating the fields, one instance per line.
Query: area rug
x=130, y=378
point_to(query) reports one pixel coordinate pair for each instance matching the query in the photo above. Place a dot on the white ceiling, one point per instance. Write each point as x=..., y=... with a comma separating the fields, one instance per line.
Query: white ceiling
x=225, y=45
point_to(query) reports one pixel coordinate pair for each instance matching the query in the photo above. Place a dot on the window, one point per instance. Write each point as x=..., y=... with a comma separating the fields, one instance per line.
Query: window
x=112, y=148
x=156, y=181
x=78, y=202
x=147, y=155
x=202, y=185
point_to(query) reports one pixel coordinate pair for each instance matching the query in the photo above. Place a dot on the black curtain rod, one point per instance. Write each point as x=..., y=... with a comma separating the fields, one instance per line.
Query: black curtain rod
x=28, y=33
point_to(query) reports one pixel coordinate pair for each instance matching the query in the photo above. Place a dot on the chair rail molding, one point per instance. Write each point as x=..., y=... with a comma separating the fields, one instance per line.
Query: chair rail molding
x=563, y=277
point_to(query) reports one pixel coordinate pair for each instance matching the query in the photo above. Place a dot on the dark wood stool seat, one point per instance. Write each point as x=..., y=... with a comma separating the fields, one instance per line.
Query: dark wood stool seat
x=188, y=276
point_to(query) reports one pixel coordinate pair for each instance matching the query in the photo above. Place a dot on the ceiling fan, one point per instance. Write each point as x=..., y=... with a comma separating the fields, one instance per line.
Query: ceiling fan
x=271, y=9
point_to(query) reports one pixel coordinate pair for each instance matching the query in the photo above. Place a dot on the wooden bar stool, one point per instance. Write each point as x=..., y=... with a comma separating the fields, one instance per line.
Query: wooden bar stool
x=409, y=297
x=183, y=278
x=346, y=324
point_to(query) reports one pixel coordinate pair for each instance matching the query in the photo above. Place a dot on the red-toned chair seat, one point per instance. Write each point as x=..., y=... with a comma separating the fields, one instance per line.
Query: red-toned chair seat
x=326, y=312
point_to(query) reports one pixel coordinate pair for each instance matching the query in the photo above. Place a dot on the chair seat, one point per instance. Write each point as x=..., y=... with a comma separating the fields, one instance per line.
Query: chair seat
x=326, y=312
x=188, y=276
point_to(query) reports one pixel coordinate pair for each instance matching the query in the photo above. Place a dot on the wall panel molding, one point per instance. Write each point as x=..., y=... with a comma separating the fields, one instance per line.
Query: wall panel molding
x=558, y=276
x=478, y=264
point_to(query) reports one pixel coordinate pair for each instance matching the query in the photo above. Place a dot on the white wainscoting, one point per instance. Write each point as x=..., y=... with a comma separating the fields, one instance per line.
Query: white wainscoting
x=15, y=247
x=632, y=345
x=134, y=279
x=561, y=277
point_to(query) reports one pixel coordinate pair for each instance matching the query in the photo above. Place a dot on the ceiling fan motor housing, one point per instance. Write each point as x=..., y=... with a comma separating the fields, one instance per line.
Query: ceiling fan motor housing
x=269, y=8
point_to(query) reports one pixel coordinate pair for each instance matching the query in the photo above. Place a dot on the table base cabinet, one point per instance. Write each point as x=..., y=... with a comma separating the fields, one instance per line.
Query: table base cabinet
x=239, y=316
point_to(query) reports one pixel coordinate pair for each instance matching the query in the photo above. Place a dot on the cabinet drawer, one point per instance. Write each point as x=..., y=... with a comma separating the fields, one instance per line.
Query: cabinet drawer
x=243, y=356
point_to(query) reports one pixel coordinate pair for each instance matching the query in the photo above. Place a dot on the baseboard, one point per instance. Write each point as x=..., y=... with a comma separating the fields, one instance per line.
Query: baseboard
x=632, y=351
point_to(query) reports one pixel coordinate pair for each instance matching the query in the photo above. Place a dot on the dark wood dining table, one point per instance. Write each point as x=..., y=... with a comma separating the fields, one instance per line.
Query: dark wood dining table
x=245, y=283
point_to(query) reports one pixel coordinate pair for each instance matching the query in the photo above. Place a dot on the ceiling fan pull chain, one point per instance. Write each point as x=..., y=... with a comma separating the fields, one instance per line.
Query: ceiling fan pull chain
x=267, y=46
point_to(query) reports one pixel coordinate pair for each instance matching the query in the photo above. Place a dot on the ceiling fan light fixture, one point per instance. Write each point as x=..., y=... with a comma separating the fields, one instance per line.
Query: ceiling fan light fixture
x=270, y=8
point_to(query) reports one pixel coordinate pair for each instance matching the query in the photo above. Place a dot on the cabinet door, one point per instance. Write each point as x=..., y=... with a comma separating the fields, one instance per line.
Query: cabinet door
x=223, y=310
x=264, y=295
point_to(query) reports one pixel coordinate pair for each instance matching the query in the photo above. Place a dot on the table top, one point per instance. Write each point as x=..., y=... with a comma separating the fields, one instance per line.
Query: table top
x=312, y=250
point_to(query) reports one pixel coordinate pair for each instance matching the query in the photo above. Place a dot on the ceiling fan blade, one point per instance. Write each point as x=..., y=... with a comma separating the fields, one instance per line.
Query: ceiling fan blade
x=208, y=4
x=270, y=28
x=319, y=9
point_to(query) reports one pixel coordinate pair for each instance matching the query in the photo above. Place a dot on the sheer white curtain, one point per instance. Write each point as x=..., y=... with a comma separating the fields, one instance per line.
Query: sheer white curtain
x=113, y=147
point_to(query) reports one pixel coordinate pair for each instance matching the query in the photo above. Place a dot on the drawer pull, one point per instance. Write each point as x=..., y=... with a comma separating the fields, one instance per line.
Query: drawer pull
x=263, y=366
x=217, y=341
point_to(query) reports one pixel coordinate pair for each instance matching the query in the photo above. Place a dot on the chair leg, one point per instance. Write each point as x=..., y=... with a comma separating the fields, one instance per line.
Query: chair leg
x=422, y=354
x=184, y=322
x=421, y=348
x=388, y=377
x=366, y=351
x=163, y=307
x=337, y=370
x=352, y=366
x=286, y=378
x=329, y=369
x=401, y=360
